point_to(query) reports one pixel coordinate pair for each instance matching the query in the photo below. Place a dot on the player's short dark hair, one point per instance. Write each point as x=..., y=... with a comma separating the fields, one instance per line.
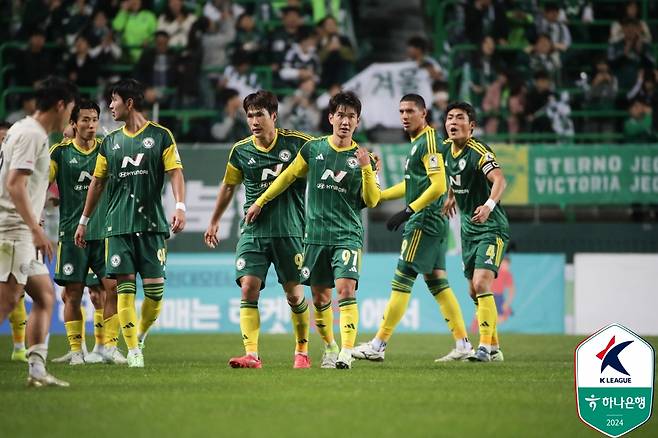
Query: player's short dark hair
x=464, y=106
x=163, y=33
x=51, y=90
x=415, y=98
x=129, y=89
x=346, y=99
x=419, y=43
x=84, y=104
x=261, y=99
x=541, y=74
x=4, y=124
x=304, y=33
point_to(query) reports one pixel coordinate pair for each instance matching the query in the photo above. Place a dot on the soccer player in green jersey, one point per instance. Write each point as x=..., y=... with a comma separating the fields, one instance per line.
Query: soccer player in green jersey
x=476, y=185
x=277, y=237
x=132, y=162
x=341, y=182
x=425, y=235
x=72, y=164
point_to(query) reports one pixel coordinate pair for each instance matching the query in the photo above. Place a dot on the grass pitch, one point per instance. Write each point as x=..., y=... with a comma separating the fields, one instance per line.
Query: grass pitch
x=187, y=389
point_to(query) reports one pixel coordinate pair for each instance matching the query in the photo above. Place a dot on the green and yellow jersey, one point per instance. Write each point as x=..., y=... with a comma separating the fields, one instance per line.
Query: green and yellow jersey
x=135, y=165
x=338, y=189
x=72, y=167
x=257, y=168
x=467, y=171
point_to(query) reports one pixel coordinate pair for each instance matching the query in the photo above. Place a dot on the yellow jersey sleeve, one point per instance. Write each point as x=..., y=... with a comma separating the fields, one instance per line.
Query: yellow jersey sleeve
x=233, y=175
x=369, y=187
x=297, y=169
x=171, y=159
x=52, y=174
x=433, y=163
x=100, y=171
x=394, y=192
x=432, y=193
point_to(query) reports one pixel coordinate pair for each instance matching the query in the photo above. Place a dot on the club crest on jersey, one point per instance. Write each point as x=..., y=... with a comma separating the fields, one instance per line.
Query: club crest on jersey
x=148, y=142
x=462, y=164
x=240, y=264
x=67, y=269
x=352, y=162
x=115, y=260
x=285, y=155
x=489, y=157
x=306, y=272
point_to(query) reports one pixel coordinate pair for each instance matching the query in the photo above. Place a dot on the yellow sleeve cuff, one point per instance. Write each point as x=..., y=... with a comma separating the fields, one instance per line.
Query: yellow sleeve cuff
x=100, y=171
x=233, y=175
x=394, y=192
x=171, y=159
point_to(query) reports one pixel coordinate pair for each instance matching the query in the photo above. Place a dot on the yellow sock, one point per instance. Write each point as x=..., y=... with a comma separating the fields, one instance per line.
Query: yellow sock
x=18, y=321
x=74, y=334
x=127, y=313
x=300, y=316
x=151, y=306
x=487, y=316
x=99, y=329
x=111, y=328
x=395, y=309
x=324, y=322
x=83, y=333
x=249, y=325
x=495, y=345
x=349, y=322
x=452, y=312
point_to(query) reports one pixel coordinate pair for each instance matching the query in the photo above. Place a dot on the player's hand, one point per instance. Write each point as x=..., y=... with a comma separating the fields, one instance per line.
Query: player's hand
x=362, y=156
x=80, y=236
x=178, y=221
x=42, y=243
x=481, y=214
x=399, y=218
x=210, y=236
x=449, y=206
x=378, y=162
x=252, y=214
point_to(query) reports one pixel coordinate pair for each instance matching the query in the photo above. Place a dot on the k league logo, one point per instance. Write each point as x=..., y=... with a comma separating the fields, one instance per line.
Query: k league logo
x=614, y=370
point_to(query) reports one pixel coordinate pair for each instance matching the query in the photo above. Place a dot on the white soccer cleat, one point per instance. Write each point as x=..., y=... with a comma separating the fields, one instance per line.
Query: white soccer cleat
x=344, y=361
x=77, y=358
x=497, y=356
x=114, y=356
x=456, y=355
x=45, y=380
x=329, y=359
x=94, y=357
x=63, y=359
x=368, y=352
x=135, y=360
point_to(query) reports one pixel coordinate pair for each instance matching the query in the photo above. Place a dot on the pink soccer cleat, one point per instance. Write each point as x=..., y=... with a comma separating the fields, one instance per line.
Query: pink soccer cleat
x=302, y=361
x=246, y=361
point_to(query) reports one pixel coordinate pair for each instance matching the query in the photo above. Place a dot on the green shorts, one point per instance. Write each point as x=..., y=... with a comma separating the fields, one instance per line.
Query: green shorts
x=143, y=253
x=325, y=263
x=483, y=252
x=74, y=263
x=421, y=253
x=92, y=279
x=254, y=255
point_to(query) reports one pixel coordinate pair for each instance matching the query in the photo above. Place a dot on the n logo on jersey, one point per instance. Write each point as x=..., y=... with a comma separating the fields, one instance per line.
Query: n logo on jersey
x=456, y=180
x=84, y=175
x=330, y=174
x=275, y=171
x=136, y=162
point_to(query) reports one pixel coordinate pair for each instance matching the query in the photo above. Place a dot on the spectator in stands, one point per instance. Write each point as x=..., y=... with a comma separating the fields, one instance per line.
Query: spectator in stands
x=47, y=16
x=486, y=64
x=35, y=62
x=239, y=75
x=188, y=68
x=82, y=68
x=101, y=39
x=644, y=89
x=628, y=56
x=637, y=127
x=516, y=104
x=485, y=17
x=537, y=102
x=326, y=8
x=135, y=25
x=548, y=23
x=233, y=125
x=248, y=38
x=543, y=56
x=579, y=12
x=601, y=94
x=177, y=21
x=80, y=13
x=300, y=110
x=283, y=38
x=28, y=107
x=440, y=100
x=216, y=37
x=520, y=19
x=301, y=61
x=494, y=103
x=156, y=68
x=632, y=12
x=336, y=53
x=323, y=104
x=215, y=9
x=418, y=51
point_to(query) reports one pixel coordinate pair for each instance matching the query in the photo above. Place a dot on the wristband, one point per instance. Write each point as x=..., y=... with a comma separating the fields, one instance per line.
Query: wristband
x=180, y=206
x=491, y=204
x=84, y=220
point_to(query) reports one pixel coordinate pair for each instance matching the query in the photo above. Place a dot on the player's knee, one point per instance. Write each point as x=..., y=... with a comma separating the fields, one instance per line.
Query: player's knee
x=9, y=303
x=345, y=291
x=480, y=285
x=96, y=299
x=72, y=297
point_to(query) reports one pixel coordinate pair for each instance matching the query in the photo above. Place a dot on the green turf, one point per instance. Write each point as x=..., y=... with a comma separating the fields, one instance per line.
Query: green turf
x=186, y=389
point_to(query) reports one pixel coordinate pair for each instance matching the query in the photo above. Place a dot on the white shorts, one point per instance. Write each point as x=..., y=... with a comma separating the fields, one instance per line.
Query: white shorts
x=19, y=258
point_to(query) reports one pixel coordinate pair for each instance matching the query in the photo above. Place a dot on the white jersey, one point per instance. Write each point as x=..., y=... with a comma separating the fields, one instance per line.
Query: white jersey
x=25, y=147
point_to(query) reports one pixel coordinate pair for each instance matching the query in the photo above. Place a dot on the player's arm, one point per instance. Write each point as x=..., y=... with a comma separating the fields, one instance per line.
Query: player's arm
x=370, y=191
x=494, y=174
x=174, y=168
x=96, y=187
x=297, y=169
x=394, y=192
x=450, y=204
x=232, y=178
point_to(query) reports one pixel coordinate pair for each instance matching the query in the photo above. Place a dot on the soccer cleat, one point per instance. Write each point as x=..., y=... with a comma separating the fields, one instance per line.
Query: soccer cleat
x=63, y=359
x=135, y=360
x=497, y=356
x=329, y=358
x=456, y=355
x=367, y=351
x=302, y=361
x=481, y=355
x=94, y=357
x=45, y=380
x=77, y=358
x=247, y=361
x=344, y=361
x=114, y=356
x=19, y=355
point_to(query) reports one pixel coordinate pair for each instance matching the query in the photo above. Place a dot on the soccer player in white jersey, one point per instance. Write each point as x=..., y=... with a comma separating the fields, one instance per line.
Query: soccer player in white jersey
x=24, y=168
